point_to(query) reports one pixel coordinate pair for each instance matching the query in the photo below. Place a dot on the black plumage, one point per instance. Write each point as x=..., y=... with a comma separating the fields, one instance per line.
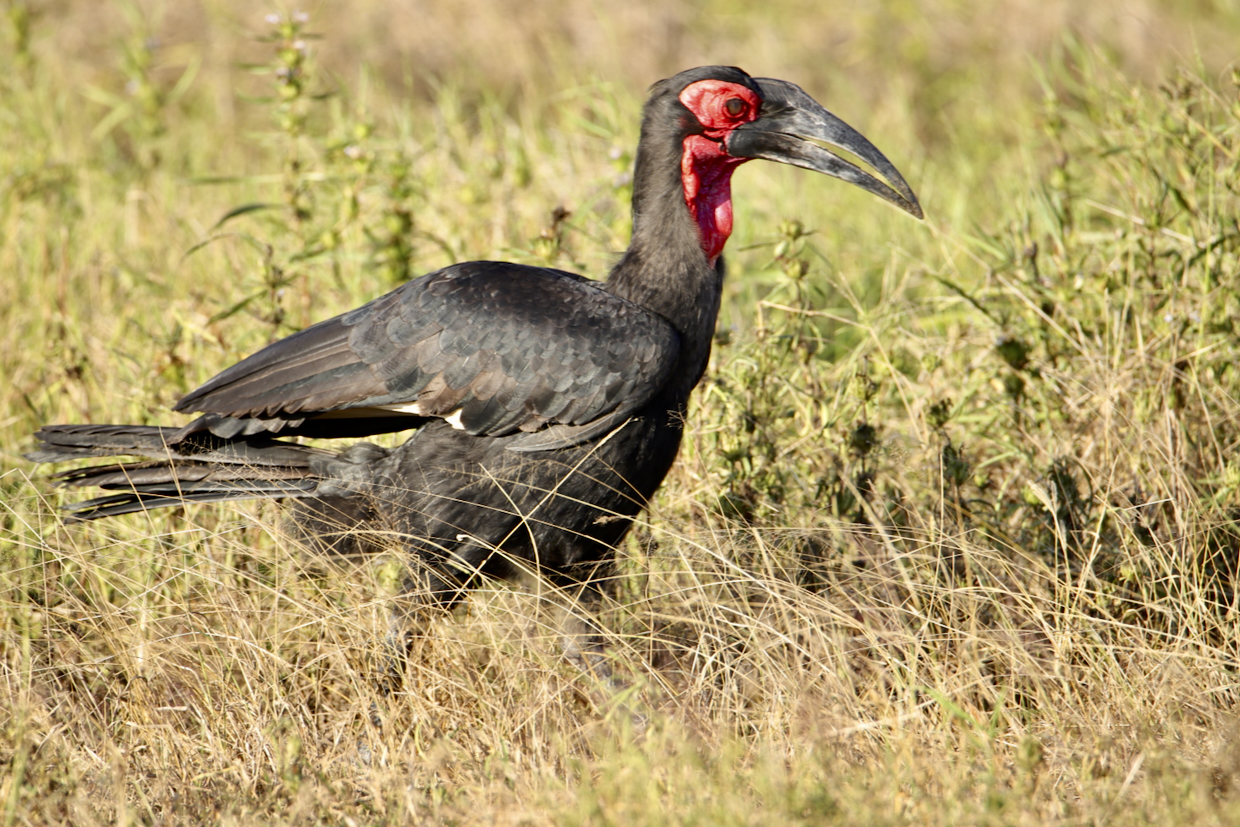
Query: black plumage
x=546, y=408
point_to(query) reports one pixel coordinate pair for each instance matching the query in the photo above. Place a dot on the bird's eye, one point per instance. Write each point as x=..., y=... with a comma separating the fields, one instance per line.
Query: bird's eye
x=734, y=107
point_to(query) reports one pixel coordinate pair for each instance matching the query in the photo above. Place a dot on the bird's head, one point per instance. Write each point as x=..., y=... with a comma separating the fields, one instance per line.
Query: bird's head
x=722, y=117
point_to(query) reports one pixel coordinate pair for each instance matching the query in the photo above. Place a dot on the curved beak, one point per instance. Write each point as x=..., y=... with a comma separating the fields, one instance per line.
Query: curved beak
x=787, y=128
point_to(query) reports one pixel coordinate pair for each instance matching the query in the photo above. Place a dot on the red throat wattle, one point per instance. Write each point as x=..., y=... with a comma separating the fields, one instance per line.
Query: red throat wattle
x=706, y=171
x=705, y=166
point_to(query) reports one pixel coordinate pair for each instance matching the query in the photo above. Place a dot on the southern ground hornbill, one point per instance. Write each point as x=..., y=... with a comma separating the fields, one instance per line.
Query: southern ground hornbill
x=546, y=408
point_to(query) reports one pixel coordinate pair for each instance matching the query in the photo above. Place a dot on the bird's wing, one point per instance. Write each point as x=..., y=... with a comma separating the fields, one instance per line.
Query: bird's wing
x=493, y=348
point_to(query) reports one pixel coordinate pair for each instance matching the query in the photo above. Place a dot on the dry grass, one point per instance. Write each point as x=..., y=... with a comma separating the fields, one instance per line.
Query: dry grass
x=953, y=540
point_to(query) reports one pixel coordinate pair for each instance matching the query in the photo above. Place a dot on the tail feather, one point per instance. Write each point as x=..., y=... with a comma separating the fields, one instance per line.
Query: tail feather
x=126, y=475
x=147, y=498
x=58, y=443
x=205, y=469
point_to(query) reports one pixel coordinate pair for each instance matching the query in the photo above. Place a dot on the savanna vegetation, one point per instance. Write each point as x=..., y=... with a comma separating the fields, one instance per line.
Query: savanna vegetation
x=953, y=540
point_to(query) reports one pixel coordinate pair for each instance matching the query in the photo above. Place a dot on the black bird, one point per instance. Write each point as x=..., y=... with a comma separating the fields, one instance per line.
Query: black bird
x=546, y=408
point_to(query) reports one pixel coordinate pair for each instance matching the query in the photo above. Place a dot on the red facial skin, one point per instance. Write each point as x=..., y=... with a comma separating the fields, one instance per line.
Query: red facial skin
x=705, y=166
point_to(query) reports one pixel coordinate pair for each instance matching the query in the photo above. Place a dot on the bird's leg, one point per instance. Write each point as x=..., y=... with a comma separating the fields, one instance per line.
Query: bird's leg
x=398, y=646
x=582, y=642
x=578, y=600
x=427, y=591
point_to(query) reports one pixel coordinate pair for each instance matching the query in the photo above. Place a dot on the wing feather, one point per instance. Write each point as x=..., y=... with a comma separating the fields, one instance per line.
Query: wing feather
x=500, y=347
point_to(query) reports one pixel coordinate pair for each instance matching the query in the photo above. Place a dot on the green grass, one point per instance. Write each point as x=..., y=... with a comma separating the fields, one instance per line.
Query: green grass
x=953, y=538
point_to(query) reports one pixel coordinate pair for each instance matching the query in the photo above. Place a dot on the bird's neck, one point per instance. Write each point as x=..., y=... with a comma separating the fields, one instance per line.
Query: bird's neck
x=682, y=216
